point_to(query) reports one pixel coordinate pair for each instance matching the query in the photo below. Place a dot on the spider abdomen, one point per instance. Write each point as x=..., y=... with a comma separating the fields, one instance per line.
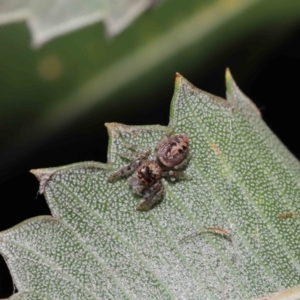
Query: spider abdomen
x=173, y=150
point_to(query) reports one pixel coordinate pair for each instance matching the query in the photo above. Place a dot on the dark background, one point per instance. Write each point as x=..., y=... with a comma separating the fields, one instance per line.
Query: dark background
x=270, y=77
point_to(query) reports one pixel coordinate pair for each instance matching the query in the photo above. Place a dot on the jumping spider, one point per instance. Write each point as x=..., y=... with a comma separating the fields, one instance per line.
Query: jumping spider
x=171, y=156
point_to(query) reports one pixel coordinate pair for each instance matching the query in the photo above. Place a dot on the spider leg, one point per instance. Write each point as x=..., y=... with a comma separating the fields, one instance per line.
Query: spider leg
x=134, y=155
x=152, y=196
x=140, y=148
x=143, y=152
x=134, y=183
x=175, y=174
x=184, y=162
x=170, y=130
x=125, y=171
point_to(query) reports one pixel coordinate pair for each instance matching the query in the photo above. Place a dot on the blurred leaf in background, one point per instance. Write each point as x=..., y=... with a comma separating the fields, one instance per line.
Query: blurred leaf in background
x=49, y=19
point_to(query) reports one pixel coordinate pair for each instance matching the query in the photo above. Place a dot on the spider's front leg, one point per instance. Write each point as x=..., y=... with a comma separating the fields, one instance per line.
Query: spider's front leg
x=129, y=169
x=176, y=173
x=152, y=196
x=125, y=171
x=184, y=163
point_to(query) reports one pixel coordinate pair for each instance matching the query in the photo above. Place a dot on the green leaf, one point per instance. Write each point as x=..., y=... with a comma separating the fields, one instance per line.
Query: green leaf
x=97, y=246
x=50, y=19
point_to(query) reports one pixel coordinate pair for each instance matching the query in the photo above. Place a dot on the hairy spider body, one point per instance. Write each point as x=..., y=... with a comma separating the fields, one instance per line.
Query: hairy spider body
x=145, y=175
x=152, y=196
x=172, y=151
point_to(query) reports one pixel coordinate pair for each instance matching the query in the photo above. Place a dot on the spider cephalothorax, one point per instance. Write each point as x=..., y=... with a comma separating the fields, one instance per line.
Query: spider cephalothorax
x=145, y=175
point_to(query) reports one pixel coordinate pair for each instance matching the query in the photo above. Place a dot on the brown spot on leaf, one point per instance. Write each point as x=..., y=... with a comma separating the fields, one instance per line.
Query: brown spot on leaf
x=215, y=148
x=288, y=214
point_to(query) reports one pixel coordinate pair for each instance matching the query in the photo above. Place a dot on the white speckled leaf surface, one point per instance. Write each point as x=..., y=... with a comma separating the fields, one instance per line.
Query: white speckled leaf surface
x=97, y=246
